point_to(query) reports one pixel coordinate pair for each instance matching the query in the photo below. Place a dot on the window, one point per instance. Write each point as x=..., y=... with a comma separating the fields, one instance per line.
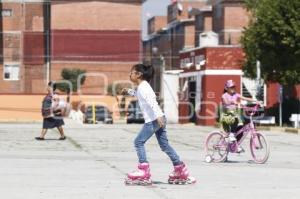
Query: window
x=6, y=13
x=184, y=62
x=172, y=12
x=199, y=59
x=11, y=71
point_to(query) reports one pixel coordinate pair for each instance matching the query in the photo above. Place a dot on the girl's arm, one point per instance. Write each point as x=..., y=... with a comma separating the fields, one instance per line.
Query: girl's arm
x=248, y=99
x=131, y=92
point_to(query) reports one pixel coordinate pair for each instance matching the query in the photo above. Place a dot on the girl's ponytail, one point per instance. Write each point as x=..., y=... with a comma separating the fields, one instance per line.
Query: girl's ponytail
x=147, y=71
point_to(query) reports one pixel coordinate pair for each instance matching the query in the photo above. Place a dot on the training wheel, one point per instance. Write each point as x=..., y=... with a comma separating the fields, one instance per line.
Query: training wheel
x=208, y=159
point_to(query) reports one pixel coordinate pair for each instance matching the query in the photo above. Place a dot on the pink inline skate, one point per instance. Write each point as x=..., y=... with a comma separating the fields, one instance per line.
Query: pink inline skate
x=180, y=175
x=140, y=176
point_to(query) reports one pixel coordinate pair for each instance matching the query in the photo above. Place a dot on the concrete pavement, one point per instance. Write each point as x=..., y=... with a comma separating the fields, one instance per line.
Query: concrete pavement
x=93, y=161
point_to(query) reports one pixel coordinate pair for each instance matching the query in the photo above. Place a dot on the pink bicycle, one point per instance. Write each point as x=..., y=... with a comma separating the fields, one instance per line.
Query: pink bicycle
x=217, y=146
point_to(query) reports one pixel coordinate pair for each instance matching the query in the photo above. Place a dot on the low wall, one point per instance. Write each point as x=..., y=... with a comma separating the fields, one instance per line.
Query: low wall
x=27, y=107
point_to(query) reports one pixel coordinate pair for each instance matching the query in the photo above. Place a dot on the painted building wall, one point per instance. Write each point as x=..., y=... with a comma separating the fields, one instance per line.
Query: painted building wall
x=103, y=38
x=212, y=90
x=83, y=33
x=170, y=96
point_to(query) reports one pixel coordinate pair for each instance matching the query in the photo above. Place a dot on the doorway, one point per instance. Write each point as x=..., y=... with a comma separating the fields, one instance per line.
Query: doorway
x=192, y=100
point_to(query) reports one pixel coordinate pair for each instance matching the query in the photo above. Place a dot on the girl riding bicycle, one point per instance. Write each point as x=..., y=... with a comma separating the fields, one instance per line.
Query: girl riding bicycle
x=231, y=116
x=219, y=144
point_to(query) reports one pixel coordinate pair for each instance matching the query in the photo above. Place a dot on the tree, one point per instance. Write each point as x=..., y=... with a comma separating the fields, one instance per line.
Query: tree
x=71, y=75
x=273, y=38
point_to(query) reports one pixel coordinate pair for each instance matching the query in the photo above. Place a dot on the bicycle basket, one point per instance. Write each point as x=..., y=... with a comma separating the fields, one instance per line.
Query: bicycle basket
x=228, y=118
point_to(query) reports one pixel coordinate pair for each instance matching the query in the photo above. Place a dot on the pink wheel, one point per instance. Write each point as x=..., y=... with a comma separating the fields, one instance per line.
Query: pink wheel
x=216, y=147
x=259, y=148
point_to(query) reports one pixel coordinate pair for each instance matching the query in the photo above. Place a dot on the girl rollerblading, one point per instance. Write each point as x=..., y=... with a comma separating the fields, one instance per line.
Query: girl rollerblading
x=155, y=123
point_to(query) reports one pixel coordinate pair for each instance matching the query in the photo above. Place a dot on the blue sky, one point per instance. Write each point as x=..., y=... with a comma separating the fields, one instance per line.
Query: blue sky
x=153, y=8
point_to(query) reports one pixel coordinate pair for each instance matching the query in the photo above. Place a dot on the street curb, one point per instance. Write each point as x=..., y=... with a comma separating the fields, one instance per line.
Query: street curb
x=262, y=128
x=20, y=121
x=274, y=128
x=292, y=130
x=280, y=129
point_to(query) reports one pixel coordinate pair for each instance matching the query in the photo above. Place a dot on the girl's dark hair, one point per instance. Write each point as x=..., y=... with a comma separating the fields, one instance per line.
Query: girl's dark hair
x=147, y=71
x=52, y=84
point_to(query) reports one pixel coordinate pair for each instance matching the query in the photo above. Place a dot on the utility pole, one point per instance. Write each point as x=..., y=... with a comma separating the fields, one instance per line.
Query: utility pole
x=280, y=105
x=47, y=25
x=163, y=65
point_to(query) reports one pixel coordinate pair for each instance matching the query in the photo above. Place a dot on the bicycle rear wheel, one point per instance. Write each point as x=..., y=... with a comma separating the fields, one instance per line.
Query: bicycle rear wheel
x=259, y=148
x=216, y=147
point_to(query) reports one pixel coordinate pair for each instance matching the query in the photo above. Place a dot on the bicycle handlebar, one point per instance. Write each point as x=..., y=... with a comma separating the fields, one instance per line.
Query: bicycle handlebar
x=251, y=110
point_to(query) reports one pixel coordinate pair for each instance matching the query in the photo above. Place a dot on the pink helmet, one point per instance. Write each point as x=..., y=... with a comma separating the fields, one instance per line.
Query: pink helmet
x=229, y=83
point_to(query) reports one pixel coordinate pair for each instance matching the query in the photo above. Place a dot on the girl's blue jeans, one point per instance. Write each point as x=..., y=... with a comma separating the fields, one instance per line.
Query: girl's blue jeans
x=161, y=134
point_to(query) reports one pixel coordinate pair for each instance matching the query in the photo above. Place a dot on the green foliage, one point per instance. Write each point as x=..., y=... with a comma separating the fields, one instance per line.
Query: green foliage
x=273, y=37
x=71, y=76
x=289, y=106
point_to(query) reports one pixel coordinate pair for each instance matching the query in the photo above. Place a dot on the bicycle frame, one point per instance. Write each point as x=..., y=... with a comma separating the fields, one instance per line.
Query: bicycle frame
x=218, y=152
x=245, y=130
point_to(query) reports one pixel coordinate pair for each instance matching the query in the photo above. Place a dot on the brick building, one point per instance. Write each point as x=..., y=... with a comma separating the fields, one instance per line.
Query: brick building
x=229, y=19
x=202, y=84
x=186, y=20
x=197, y=51
x=39, y=38
x=205, y=53
x=161, y=48
x=21, y=24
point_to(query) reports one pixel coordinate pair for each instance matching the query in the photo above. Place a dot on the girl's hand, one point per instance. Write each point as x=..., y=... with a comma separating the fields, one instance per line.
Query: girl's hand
x=124, y=91
x=128, y=91
x=260, y=103
x=160, y=121
x=234, y=102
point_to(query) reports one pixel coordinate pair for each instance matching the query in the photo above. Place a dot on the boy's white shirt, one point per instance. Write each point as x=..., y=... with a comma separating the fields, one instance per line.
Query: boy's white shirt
x=147, y=101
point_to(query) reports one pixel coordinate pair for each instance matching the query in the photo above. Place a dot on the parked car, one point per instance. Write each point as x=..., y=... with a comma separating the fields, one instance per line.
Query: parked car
x=134, y=113
x=102, y=114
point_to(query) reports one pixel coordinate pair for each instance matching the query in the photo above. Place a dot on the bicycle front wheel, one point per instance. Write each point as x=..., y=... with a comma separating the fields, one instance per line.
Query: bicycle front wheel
x=216, y=147
x=259, y=148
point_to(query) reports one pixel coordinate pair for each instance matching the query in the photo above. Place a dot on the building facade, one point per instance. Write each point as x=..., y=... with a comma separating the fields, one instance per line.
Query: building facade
x=22, y=67
x=162, y=47
x=195, y=53
x=40, y=38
